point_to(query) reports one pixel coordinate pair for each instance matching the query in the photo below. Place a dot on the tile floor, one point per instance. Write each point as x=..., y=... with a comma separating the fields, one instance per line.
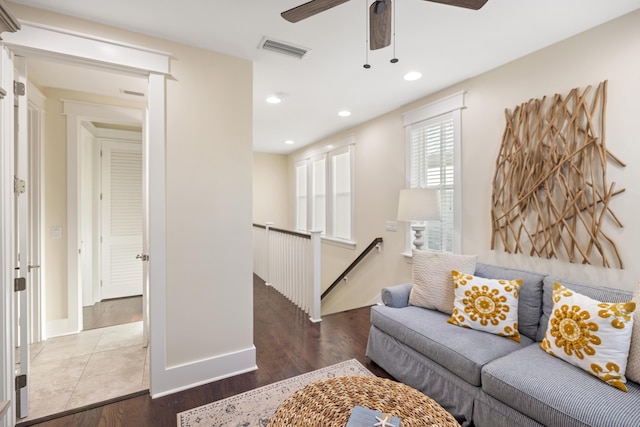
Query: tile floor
x=95, y=365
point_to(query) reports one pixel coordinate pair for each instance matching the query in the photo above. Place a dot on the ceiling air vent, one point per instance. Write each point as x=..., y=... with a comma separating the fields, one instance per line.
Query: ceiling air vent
x=283, y=48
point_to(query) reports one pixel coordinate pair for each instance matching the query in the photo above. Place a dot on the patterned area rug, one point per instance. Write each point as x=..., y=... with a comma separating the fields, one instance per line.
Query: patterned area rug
x=253, y=408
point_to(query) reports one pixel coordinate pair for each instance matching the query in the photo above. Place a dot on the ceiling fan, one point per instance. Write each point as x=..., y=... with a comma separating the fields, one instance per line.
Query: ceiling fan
x=379, y=15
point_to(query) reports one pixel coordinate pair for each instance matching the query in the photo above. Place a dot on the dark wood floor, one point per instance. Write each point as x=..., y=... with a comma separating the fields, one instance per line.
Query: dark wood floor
x=112, y=312
x=287, y=344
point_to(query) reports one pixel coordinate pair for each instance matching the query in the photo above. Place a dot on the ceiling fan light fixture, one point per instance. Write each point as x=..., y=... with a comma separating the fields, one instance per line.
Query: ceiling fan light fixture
x=412, y=76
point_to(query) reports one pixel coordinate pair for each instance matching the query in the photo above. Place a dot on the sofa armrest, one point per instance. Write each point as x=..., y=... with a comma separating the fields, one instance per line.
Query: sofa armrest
x=396, y=296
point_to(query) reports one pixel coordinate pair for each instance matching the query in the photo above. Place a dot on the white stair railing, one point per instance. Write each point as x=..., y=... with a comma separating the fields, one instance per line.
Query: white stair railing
x=289, y=261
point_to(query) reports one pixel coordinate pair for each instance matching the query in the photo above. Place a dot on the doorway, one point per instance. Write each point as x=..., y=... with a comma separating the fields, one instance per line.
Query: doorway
x=34, y=39
x=111, y=231
x=108, y=362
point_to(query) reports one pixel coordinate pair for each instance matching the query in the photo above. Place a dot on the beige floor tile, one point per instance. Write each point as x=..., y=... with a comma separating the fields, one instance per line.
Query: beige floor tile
x=120, y=337
x=62, y=350
x=48, y=403
x=115, y=362
x=35, y=349
x=146, y=377
x=90, y=367
x=56, y=372
x=101, y=387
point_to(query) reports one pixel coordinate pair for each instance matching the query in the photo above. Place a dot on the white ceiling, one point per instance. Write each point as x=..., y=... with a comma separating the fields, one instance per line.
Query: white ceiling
x=446, y=44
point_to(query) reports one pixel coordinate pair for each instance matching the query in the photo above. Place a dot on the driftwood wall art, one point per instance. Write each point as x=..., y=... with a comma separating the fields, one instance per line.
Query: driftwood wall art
x=551, y=197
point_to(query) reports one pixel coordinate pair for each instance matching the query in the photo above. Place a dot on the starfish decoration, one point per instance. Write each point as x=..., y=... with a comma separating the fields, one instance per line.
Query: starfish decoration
x=384, y=422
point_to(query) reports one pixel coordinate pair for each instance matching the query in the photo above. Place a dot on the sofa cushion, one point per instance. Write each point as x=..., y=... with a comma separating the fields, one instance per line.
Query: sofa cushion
x=489, y=305
x=432, y=281
x=555, y=393
x=599, y=293
x=529, y=296
x=460, y=350
x=633, y=363
x=591, y=335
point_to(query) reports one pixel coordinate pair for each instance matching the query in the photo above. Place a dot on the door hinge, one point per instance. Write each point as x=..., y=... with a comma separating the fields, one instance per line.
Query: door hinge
x=19, y=185
x=21, y=381
x=18, y=88
x=19, y=284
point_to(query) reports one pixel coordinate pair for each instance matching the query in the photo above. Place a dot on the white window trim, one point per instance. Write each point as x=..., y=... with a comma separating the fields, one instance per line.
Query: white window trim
x=334, y=145
x=453, y=104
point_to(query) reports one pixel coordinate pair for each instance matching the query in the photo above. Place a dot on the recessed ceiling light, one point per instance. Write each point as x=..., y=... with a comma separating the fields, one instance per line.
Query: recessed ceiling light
x=289, y=142
x=344, y=113
x=412, y=75
x=274, y=99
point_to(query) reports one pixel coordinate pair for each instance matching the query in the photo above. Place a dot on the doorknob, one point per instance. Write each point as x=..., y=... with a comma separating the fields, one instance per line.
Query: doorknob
x=29, y=267
x=143, y=257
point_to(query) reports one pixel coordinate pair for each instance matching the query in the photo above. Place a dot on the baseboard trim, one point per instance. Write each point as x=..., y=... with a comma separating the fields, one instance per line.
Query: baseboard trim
x=58, y=328
x=183, y=377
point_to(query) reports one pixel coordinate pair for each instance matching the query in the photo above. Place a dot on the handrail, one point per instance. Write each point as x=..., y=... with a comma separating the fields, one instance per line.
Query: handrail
x=364, y=253
x=283, y=231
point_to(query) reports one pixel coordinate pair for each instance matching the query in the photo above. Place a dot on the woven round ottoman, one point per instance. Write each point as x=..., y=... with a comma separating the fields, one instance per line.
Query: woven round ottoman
x=330, y=402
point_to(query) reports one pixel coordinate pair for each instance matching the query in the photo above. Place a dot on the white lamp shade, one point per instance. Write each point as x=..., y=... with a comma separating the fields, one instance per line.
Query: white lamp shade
x=419, y=204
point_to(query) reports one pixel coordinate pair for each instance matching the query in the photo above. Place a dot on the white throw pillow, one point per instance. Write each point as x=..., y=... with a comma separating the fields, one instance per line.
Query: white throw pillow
x=590, y=334
x=633, y=362
x=488, y=305
x=432, y=281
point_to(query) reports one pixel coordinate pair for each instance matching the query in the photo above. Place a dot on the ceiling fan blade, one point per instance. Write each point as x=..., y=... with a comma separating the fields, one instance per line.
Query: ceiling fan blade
x=308, y=9
x=379, y=27
x=469, y=4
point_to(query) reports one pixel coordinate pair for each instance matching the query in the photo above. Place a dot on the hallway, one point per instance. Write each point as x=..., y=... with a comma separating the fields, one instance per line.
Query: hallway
x=93, y=366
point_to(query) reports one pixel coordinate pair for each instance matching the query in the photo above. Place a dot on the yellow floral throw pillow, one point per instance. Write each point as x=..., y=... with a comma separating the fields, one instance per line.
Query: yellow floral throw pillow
x=488, y=305
x=590, y=334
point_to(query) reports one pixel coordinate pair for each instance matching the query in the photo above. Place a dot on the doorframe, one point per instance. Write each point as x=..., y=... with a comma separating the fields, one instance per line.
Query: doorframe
x=36, y=111
x=46, y=41
x=78, y=112
x=7, y=238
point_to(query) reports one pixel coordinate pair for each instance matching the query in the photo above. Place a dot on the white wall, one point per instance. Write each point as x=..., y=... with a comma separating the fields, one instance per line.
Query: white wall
x=270, y=184
x=608, y=52
x=208, y=209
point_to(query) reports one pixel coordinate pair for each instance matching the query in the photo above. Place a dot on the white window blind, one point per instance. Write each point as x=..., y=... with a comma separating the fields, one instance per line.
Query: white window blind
x=341, y=168
x=433, y=160
x=301, y=196
x=318, y=195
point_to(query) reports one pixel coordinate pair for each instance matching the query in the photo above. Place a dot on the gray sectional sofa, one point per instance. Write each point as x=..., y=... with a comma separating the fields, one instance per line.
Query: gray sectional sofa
x=491, y=381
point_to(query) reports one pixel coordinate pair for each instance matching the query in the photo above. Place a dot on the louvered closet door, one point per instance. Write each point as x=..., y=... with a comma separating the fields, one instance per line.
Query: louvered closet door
x=121, y=219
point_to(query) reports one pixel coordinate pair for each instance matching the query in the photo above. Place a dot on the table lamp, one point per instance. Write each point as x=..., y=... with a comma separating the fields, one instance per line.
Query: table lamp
x=417, y=205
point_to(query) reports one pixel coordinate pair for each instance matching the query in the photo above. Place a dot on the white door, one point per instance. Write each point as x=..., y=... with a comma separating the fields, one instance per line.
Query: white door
x=121, y=219
x=21, y=219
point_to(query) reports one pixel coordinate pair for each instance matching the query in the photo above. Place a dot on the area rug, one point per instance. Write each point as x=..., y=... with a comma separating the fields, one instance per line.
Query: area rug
x=253, y=408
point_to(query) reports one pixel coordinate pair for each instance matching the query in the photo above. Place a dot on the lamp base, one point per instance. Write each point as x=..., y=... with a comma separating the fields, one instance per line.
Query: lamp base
x=418, y=231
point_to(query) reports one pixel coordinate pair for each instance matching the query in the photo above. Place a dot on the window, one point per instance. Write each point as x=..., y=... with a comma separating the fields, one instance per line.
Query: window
x=433, y=156
x=301, y=196
x=319, y=195
x=325, y=175
x=341, y=169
